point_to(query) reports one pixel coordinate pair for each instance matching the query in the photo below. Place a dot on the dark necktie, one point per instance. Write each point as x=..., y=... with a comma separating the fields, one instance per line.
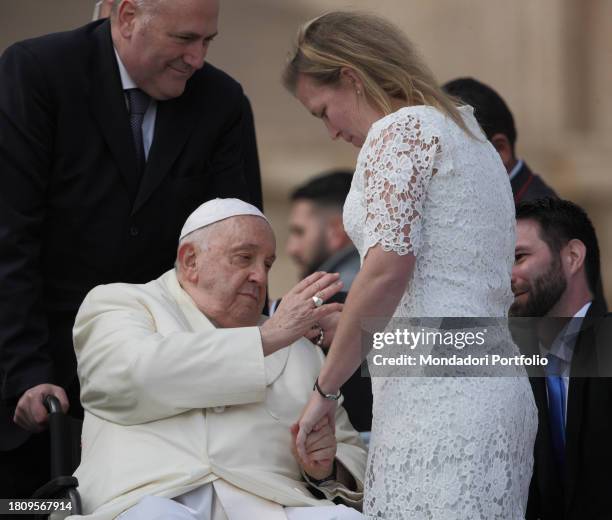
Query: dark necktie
x=556, y=406
x=138, y=103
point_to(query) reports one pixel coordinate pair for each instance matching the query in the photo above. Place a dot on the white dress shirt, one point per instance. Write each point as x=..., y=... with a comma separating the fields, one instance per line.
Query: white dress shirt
x=514, y=171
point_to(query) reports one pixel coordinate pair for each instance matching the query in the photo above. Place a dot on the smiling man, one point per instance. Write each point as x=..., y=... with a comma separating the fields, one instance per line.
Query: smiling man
x=190, y=395
x=555, y=276
x=110, y=136
x=163, y=44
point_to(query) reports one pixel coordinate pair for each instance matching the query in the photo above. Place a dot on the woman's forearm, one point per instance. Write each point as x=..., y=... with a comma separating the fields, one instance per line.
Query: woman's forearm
x=376, y=291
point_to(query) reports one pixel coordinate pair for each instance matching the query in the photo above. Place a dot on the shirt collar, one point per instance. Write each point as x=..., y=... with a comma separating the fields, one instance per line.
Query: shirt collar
x=563, y=346
x=126, y=81
x=517, y=167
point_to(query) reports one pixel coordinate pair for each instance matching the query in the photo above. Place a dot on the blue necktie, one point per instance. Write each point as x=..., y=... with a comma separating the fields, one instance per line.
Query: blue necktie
x=556, y=406
x=138, y=103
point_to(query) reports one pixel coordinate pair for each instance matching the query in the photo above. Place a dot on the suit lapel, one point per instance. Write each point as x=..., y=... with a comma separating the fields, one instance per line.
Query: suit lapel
x=584, y=362
x=109, y=108
x=173, y=126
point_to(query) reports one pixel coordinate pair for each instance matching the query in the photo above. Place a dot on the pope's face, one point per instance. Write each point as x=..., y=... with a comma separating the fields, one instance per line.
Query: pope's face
x=162, y=49
x=232, y=273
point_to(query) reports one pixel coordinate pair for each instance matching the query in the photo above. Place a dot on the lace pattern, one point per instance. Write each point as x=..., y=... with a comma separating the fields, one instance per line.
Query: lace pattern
x=443, y=448
x=399, y=167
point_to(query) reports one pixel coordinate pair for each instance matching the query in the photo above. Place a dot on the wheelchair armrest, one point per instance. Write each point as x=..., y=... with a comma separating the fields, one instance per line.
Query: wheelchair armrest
x=62, y=487
x=61, y=435
x=56, y=487
x=62, y=483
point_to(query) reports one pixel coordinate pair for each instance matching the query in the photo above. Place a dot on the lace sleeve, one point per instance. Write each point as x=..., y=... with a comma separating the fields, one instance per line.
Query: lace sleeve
x=399, y=167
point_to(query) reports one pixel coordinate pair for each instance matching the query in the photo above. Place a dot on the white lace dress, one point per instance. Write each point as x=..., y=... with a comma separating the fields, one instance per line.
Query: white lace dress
x=443, y=448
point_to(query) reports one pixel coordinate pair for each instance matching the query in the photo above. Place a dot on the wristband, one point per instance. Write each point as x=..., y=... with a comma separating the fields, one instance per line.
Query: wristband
x=330, y=397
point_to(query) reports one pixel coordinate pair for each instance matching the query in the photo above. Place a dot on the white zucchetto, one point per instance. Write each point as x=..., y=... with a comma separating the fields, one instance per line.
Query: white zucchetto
x=216, y=210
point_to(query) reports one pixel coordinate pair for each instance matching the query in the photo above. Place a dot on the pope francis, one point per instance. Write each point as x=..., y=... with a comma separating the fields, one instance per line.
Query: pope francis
x=191, y=396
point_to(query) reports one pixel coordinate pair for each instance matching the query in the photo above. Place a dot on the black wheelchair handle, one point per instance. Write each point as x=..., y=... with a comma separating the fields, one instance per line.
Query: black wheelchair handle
x=59, y=432
x=52, y=404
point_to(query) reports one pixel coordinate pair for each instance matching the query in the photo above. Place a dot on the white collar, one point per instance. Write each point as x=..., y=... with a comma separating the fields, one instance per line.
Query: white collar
x=583, y=310
x=514, y=171
x=572, y=328
x=563, y=346
x=126, y=81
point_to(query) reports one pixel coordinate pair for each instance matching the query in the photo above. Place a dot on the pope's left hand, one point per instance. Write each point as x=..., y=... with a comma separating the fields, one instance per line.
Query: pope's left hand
x=317, y=409
x=321, y=449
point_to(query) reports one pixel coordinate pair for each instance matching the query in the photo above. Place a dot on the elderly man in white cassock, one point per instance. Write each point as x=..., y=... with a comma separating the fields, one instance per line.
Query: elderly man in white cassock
x=191, y=395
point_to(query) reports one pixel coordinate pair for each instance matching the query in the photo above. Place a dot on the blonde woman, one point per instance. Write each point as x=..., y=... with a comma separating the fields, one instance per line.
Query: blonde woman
x=431, y=213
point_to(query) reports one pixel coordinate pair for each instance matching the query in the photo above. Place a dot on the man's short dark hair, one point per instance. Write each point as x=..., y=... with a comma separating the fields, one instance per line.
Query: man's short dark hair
x=561, y=221
x=490, y=110
x=328, y=190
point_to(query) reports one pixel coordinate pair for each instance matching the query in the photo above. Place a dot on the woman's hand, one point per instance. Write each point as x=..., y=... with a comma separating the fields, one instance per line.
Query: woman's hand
x=317, y=409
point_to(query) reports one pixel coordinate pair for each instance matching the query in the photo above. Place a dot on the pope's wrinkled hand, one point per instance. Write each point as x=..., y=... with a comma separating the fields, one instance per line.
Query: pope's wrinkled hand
x=318, y=411
x=298, y=312
x=320, y=447
x=328, y=325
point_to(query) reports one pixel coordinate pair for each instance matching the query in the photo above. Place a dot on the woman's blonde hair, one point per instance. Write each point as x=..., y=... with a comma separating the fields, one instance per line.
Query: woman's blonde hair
x=383, y=58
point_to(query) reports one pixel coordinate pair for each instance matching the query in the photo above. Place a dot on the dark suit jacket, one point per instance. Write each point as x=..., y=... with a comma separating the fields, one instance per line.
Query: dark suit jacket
x=582, y=491
x=72, y=212
x=357, y=390
x=526, y=185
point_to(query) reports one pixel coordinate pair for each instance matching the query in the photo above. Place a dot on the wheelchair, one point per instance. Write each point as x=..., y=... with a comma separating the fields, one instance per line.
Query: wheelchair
x=65, y=434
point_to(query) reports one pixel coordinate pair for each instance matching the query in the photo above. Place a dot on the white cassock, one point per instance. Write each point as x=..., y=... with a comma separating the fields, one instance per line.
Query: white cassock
x=222, y=501
x=173, y=404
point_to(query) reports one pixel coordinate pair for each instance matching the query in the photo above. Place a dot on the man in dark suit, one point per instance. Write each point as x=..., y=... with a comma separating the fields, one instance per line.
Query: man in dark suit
x=110, y=136
x=555, y=276
x=318, y=242
x=496, y=120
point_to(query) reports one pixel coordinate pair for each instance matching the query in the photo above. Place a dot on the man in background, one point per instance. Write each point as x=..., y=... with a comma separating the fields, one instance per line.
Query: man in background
x=317, y=240
x=110, y=135
x=497, y=122
x=495, y=118
x=555, y=276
